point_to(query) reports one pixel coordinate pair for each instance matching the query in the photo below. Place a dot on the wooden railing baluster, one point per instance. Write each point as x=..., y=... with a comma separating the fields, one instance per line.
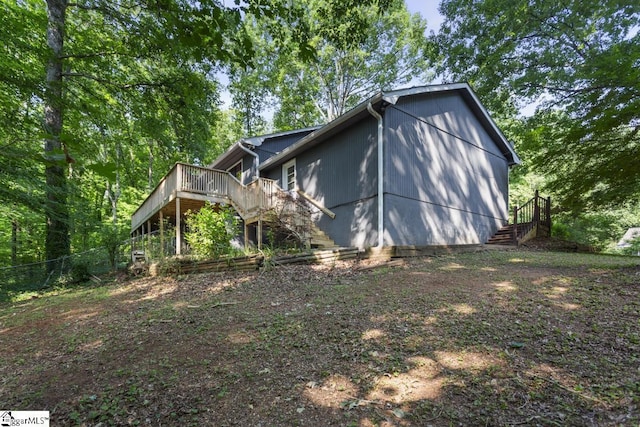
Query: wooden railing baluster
x=534, y=213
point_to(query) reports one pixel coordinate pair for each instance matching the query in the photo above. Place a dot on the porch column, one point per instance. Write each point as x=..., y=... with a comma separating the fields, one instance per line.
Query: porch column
x=178, y=230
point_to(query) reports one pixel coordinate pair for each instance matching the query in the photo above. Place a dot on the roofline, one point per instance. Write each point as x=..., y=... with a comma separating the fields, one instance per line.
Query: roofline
x=222, y=157
x=391, y=97
x=294, y=148
x=515, y=158
x=255, y=141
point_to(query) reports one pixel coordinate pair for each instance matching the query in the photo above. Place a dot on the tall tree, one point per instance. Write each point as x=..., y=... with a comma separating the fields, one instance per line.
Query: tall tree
x=122, y=90
x=359, y=50
x=578, y=60
x=57, y=242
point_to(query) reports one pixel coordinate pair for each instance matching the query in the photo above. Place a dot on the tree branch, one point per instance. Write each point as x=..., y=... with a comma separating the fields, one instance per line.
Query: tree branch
x=121, y=86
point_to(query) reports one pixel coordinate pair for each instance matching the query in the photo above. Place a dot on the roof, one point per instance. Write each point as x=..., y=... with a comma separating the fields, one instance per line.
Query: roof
x=234, y=153
x=391, y=97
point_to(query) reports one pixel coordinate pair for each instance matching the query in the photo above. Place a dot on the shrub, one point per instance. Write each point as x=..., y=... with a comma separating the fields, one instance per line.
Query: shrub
x=210, y=230
x=80, y=271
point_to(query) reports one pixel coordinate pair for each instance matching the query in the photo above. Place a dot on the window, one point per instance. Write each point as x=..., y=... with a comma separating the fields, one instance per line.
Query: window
x=289, y=175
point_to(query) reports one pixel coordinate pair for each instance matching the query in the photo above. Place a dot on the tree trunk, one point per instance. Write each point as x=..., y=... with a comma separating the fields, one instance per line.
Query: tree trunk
x=57, y=243
x=150, y=170
x=14, y=242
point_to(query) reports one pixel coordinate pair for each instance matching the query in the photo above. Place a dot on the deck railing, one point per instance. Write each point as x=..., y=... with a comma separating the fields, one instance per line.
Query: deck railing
x=196, y=179
x=248, y=200
x=535, y=213
x=158, y=197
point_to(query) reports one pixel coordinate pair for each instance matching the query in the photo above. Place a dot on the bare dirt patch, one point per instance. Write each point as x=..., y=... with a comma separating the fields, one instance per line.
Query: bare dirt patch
x=489, y=338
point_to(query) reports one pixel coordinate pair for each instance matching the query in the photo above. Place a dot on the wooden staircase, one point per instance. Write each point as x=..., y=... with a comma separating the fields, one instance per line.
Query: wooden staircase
x=318, y=239
x=504, y=236
x=291, y=215
x=530, y=220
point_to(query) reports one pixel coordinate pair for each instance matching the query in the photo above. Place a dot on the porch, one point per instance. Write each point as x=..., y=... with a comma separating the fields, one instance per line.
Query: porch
x=189, y=187
x=533, y=219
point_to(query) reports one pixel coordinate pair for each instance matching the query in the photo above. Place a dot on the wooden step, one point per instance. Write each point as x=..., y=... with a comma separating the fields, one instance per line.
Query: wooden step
x=319, y=239
x=504, y=236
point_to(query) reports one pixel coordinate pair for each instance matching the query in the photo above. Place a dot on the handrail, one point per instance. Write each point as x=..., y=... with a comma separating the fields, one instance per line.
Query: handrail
x=247, y=199
x=317, y=204
x=536, y=213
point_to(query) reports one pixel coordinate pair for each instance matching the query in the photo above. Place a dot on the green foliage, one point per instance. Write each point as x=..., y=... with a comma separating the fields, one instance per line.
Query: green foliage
x=80, y=271
x=360, y=48
x=210, y=230
x=633, y=248
x=111, y=238
x=600, y=229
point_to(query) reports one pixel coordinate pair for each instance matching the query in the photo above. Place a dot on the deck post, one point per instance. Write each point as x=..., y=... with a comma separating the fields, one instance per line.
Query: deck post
x=246, y=235
x=548, y=214
x=259, y=232
x=536, y=210
x=161, y=219
x=515, y=225
x=178, y=228
x=179, y=172
x=149, y=235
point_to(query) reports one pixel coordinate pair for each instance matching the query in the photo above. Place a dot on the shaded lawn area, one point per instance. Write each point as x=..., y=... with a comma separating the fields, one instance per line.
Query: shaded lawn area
x=488, y=338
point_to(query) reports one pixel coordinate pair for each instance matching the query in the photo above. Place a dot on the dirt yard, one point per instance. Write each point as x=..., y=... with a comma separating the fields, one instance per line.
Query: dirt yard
x=499, y=338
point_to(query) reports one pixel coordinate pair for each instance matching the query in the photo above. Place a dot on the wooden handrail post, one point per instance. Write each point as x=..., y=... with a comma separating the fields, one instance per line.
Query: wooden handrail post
x=536, y=210
x=548, y=213
x=515, y=224
x=179, y=177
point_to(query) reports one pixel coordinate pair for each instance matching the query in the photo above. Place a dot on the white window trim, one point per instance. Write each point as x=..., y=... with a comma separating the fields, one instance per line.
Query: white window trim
x=285, y=180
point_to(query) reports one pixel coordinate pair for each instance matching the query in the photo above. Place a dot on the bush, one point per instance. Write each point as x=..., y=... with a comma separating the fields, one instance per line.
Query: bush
x=210, y=231
x=599, y=229
x=80, y=271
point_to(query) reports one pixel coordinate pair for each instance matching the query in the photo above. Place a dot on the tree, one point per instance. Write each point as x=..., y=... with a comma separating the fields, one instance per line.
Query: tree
x=579, y=61
x=57, y=242
x=99, y=97
x=359, y=51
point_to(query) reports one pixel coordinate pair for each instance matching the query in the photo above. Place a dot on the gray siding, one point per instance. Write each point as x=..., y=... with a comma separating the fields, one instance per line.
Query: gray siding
x=341, y=173
x=270, y=147
x=274, y=145
x=273, y=173
x=446, y=182
x=248, y=169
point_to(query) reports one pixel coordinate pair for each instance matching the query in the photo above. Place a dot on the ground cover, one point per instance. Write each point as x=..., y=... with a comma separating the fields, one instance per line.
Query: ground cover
x=489, y=338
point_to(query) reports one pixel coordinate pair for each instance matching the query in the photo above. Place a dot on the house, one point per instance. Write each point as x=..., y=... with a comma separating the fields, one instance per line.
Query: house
x=424, y=166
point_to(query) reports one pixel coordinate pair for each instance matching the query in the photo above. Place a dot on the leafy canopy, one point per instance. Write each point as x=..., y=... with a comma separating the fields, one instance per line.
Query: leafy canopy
x=360, y=48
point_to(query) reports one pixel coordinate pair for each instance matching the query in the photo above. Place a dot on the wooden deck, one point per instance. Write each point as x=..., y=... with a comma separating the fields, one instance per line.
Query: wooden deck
x=190, y=187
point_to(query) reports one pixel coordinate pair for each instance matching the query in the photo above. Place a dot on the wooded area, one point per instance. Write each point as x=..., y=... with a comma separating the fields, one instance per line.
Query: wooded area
x=98, y=99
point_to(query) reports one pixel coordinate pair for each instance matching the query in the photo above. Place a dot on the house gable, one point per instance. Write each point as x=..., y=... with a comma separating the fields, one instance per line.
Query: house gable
x=444, y=172
x=445, y=169
x=380, y=102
